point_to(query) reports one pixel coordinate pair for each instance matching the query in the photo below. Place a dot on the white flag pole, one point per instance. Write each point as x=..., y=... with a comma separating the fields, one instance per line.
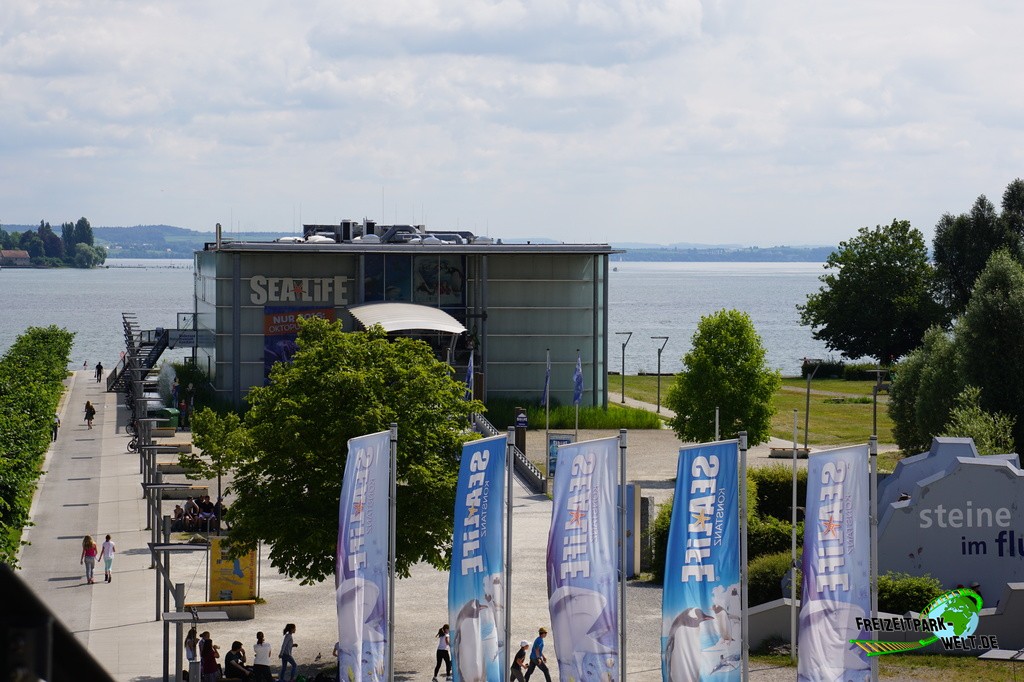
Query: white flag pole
x=744, y=624
x=622, y=555
x=792, y=563
x=509, y=463
x=873, y=510
x=391, y=552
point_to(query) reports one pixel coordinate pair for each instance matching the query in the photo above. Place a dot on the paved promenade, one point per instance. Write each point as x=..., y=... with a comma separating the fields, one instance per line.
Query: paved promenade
x=92, y=485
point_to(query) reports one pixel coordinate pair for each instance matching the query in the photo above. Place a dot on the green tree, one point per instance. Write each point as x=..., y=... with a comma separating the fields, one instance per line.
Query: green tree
x=877, y=298
x=992, y=432
x=88, y=256
x=31, y=242
x=83, y=232
x=53, y=247
x=67, y=235
x=725, y=368
x=924, y=389
x=339, y=386
x=991, y=339
x=963, y=245
x=1012, y=214
x=220, y=441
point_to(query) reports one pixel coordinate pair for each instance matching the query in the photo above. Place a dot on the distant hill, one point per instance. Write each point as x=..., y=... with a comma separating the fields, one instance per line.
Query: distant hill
x=168, y=241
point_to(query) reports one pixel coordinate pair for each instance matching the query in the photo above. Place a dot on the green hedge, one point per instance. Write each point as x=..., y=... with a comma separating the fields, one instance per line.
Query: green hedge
x=764, y=577
x=900, y=592
x=501, y=413
x=32, y=373
x=768, y=535
x=775, y=489
x=864, y=371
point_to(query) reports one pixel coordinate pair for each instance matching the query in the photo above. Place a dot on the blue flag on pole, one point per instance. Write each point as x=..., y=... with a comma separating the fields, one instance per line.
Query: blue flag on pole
x=836, y=567
x=583, y=561
x=577, y=381
x=476, y=582
x=547, y=382
x=700, y=631
x=469, y=377
x=361, y=571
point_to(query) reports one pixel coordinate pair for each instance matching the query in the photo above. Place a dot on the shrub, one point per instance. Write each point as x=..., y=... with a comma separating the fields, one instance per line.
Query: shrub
x=864, y=371
x=501, y=413
x=775, y=489
x=992, y=432
x=826, y=369
x=764, y=577
x=901, y=592
x=767, y=535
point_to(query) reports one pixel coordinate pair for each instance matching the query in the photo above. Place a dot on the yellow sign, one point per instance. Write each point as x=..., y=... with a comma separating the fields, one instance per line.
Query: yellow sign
x=231, y=578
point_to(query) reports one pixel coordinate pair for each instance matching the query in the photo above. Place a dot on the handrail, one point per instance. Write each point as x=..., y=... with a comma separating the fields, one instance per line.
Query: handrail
x=529, y=475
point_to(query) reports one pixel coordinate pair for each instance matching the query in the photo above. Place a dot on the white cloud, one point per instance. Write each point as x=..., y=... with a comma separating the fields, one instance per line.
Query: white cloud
x=721, y=120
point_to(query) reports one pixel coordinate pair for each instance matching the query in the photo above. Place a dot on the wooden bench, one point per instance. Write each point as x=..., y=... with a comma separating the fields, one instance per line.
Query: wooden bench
x=237, y=609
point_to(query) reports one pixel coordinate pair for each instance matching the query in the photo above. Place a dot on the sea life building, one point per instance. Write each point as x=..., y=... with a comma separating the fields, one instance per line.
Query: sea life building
x=517, y=302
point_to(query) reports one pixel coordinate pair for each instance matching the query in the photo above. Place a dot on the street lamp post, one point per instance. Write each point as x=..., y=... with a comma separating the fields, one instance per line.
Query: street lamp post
x=807, y=408
x=629, y=335
x=664, y=340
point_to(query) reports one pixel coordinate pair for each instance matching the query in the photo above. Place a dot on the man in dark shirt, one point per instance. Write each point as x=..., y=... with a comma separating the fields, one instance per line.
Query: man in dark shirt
x=234, y=663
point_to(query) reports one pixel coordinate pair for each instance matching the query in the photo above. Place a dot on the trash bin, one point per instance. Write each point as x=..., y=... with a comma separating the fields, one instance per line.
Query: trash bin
x=170, y=415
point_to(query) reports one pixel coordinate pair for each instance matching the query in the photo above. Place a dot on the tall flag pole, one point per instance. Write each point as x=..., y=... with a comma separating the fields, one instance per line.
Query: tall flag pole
x=702, y=600
x=837, y=584
x=581, y=561
x=546, y=400
x=873, y=511
x=363, y=562
x=509, y=463
x=476, y=581
x=622, y=555
x=392, y=543
x=577, y=391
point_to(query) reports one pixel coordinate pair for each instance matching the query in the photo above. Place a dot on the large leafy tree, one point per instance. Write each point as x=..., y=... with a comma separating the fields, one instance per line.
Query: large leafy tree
x=725, y=368
x=292, y=456
x=877, y=299
x=924, y=391
x=53, y=247
x=991, y=339
x=964, y=243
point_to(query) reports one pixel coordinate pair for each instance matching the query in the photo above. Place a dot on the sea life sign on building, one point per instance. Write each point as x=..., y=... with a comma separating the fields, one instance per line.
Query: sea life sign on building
x=954, y=515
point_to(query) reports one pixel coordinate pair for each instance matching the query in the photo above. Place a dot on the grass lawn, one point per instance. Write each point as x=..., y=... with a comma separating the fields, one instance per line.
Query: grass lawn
x=832, y=420
x=919, y=666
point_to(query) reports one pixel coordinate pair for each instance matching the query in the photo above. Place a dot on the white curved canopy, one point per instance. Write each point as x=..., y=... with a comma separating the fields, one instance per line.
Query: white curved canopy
x=394, y=317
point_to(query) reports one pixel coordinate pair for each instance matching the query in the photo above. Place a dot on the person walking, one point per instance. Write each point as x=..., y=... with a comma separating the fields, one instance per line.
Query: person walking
x=56, y=427
x=107, y=552
x=88, y=557
x=444, y=647
x=261, y=660
x=99, y=372
x=287, y=644
x=538, y=661
x=191, y=644
x=519, y=663
x=90, y=413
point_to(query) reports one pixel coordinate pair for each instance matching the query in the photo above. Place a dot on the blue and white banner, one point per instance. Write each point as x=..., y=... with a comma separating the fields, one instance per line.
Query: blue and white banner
x=577, y=381
x=583, y=561
x=361, y=572
x=476, y=582
x=547, y=381
x=836, y=566
x=701, y=601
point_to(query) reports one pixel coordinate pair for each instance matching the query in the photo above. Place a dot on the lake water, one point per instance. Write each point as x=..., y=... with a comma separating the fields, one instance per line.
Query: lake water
x=649, y=299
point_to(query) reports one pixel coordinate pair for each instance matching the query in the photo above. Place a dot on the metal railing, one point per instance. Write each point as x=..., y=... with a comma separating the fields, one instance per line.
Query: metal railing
x=528, y=474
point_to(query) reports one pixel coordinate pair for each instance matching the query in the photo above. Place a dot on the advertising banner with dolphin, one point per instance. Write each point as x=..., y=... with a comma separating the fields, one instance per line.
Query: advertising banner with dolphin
x=476, y=582
x=700, y=608
x=836, y=566
x=583, y=561
x=361, y=572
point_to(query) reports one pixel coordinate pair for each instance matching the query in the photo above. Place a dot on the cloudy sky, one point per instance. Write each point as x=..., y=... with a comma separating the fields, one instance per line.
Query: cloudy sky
x=725, y=121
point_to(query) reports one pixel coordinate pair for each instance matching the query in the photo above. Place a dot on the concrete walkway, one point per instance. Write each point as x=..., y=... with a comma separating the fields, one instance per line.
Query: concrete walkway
x=92, y=485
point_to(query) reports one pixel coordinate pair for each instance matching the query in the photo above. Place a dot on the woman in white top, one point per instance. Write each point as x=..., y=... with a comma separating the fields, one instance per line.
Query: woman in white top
x=261, y=660
x=191, y=644
x=107, y=552
x=443, y=649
